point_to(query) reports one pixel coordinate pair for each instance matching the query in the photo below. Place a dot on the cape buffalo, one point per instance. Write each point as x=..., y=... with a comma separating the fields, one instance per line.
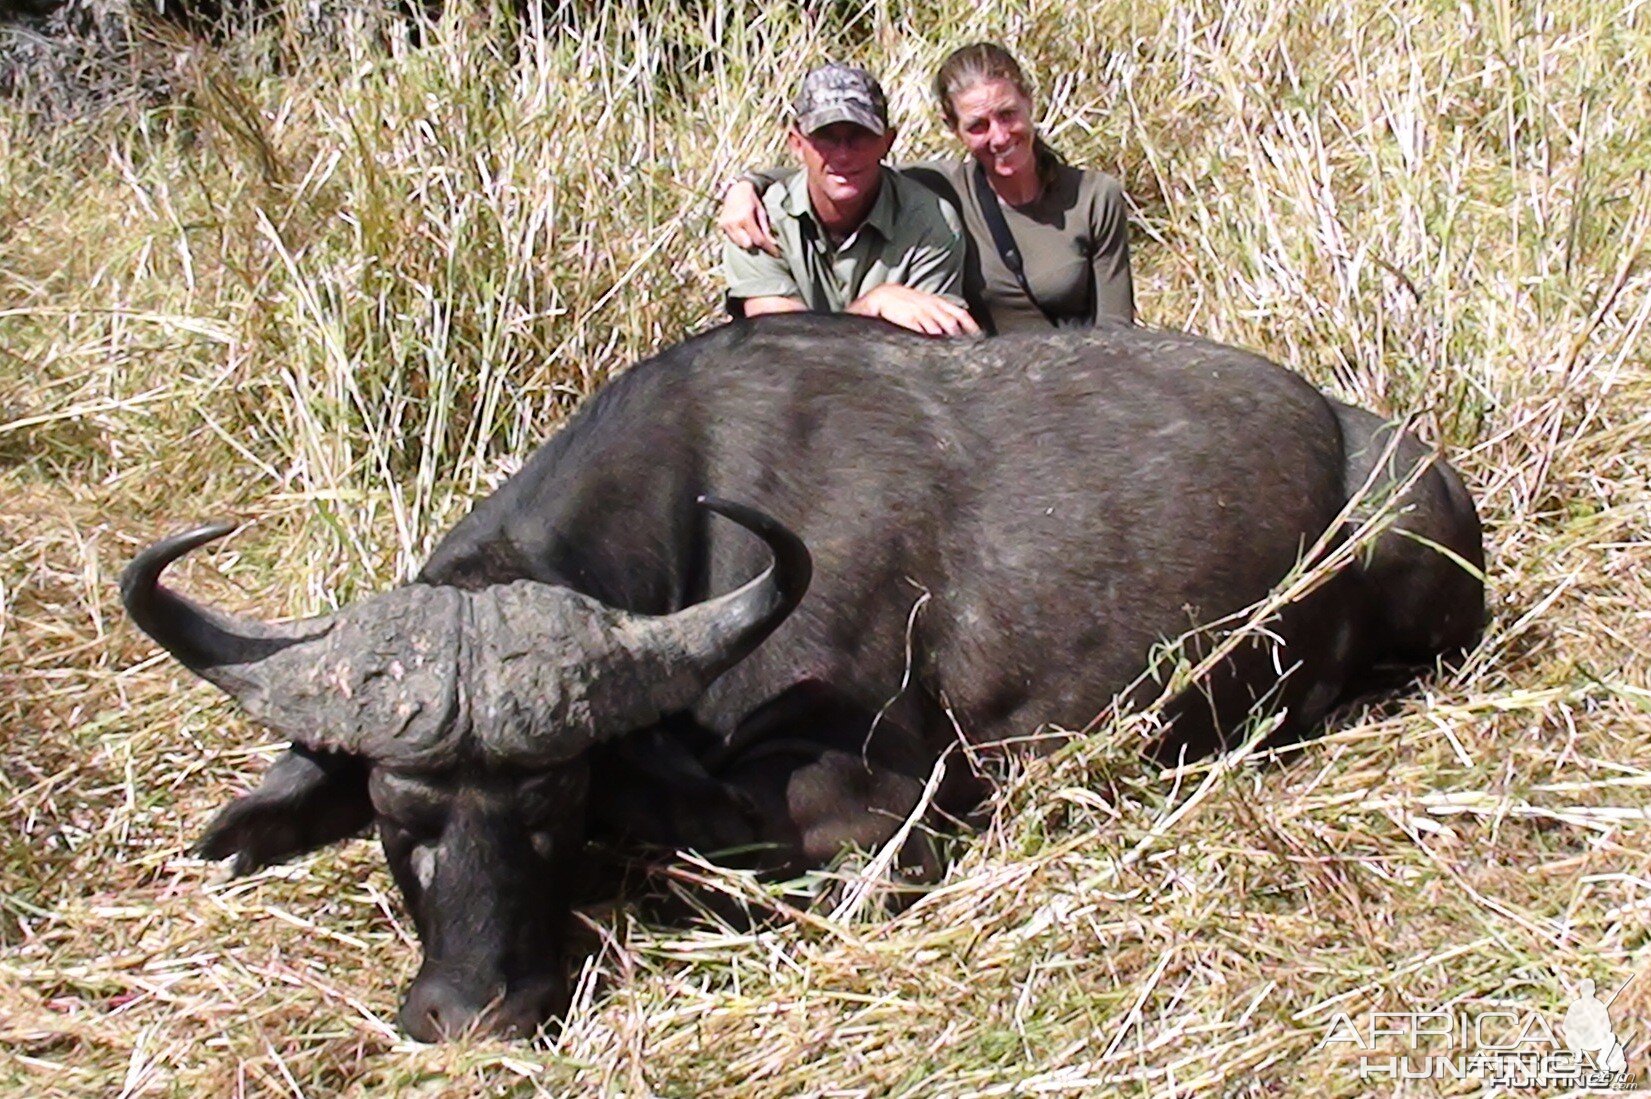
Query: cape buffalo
x=1000, y=533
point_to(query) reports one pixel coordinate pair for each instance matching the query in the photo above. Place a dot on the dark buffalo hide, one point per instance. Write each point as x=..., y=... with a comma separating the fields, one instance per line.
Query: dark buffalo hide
x=1002, y=534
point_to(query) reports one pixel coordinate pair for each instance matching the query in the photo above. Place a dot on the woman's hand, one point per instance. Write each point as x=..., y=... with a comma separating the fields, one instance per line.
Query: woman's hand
x=744, y=221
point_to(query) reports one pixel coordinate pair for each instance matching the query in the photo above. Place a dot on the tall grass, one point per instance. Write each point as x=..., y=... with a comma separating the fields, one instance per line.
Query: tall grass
x=343, y=278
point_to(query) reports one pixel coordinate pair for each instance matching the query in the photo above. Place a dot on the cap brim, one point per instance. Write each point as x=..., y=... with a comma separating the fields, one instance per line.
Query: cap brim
x=818, y=120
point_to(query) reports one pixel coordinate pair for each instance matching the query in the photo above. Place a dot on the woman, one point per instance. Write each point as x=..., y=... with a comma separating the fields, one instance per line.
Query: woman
x=1049, y=242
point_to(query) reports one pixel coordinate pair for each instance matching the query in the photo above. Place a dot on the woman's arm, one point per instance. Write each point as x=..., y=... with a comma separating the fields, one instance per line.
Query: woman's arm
x=742, y=218
x=1109, y=230
x=744, y=221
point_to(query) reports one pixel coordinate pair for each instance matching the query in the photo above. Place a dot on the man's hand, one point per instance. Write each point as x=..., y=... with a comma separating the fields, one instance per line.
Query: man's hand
x=917, y=310
x=744, y=220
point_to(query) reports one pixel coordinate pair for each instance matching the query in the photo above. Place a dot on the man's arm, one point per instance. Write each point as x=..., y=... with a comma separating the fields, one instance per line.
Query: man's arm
x=761, y=281
x=927, y=295
x=756, y=307
x=936, y=263
x=918, y=310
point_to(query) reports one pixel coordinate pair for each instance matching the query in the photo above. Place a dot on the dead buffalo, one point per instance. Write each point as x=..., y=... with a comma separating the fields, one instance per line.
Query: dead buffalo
x=1000, y=532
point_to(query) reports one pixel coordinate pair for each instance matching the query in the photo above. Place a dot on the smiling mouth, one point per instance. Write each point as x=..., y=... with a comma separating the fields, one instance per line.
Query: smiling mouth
x=1002, y=158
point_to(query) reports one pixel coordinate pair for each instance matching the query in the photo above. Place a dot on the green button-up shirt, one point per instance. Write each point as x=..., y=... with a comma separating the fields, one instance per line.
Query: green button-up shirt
x=911, y=237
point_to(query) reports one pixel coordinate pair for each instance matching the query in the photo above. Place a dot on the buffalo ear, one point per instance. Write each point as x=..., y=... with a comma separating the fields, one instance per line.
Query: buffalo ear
x=307, y=800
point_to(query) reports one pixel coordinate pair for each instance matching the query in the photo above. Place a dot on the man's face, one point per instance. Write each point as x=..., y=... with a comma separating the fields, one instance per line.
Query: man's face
x=842, y=160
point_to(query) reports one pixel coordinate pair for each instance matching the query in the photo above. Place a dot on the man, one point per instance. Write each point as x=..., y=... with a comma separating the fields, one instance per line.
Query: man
x=853, y=236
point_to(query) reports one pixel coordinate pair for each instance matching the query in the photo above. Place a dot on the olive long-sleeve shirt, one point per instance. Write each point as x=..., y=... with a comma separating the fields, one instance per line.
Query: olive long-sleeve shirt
x=1073, y=240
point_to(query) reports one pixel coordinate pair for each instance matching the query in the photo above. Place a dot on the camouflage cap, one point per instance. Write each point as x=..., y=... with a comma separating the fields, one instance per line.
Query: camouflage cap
x=841, y=93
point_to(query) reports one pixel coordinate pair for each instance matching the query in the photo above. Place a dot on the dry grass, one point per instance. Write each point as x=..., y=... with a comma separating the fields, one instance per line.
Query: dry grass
x=340, y=286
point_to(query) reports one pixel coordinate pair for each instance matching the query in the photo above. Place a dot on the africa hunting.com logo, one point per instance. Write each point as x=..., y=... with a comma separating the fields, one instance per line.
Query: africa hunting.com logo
x=1502, y=1048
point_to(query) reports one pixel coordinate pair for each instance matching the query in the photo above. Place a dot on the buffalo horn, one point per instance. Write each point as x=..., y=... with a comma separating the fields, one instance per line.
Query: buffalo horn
x=225, y=650
x=379, y=678
x=532, y=671
x=623, y=670
x=697, y=644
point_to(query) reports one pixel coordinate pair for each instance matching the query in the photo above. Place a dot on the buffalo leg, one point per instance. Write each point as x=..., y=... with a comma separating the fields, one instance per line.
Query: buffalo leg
x=822, y=776
x=1300, y=664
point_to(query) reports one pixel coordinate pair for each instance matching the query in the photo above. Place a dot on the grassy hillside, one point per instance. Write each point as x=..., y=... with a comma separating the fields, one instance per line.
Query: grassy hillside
x=337, y=286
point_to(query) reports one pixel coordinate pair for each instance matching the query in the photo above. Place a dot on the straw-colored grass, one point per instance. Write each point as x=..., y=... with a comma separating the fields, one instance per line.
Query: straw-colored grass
x=339, y=286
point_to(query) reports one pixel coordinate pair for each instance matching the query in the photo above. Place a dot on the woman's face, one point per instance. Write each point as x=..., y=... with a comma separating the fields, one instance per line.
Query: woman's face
x=994, y=122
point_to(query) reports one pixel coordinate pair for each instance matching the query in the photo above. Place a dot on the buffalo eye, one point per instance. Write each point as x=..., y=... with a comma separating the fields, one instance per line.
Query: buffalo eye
x=544, y=802
x=412, y=807
x=419, y=828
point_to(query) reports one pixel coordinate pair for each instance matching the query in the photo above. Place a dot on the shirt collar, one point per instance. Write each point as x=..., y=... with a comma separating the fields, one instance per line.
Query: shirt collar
x=881, y=217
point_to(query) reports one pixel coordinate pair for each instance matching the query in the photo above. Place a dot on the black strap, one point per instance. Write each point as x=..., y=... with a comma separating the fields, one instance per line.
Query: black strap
x=1004, y=239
